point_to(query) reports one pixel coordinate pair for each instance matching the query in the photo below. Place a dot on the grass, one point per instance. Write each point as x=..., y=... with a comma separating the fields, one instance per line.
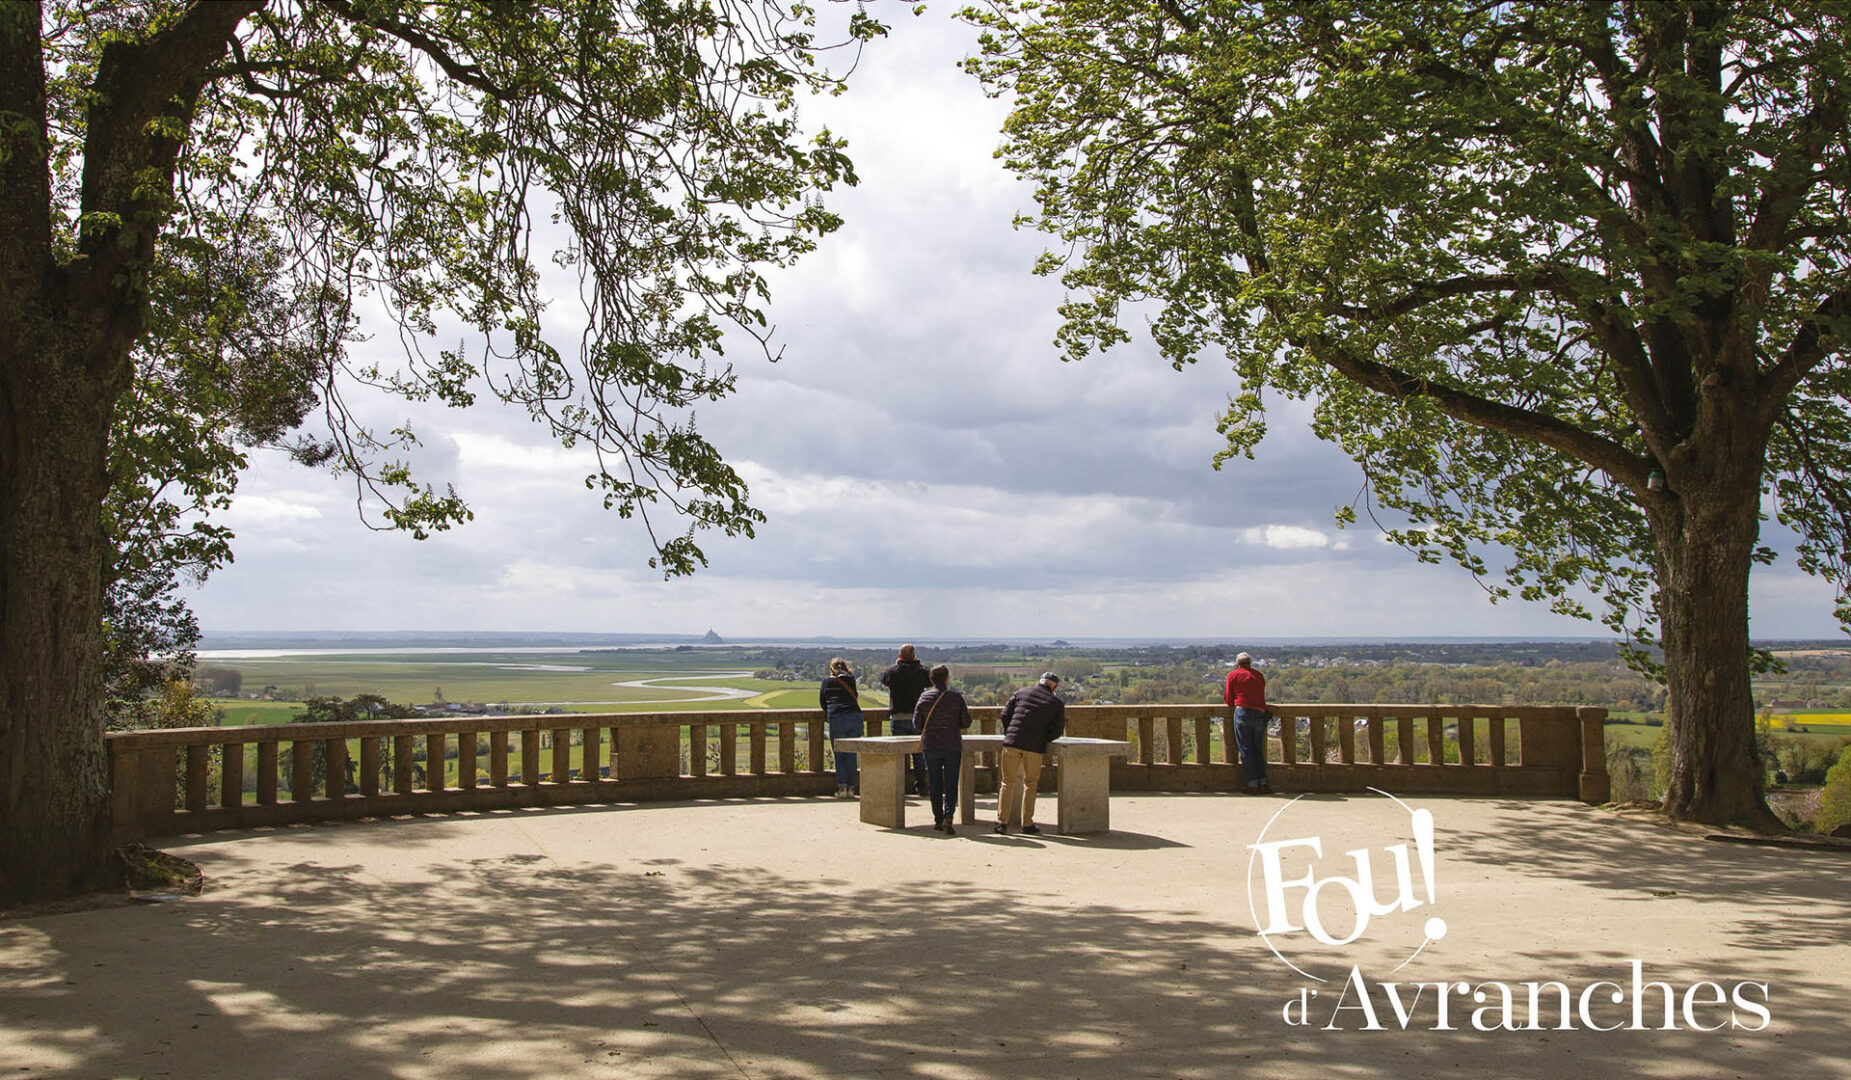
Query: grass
x=678, y=683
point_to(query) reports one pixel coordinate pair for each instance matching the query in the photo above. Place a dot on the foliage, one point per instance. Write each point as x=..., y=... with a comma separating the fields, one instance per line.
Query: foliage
x=1629, y=770
x=176, y=706
x=324, y=710
x=1835, y=797
x=318, y=710
x=1805, y=761
x=1458, y=229
x=1429, y=221
x=447, y=171
x=225, y=367
x=1570, y=282
x=219, y=681
x=452, y=168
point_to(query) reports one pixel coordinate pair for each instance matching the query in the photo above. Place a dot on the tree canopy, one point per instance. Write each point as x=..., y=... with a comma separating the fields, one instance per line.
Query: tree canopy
x=1570, y=282
x=456, y=169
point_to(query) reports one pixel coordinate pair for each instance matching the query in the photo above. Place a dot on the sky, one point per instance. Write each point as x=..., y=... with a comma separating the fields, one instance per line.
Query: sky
x=929, y=466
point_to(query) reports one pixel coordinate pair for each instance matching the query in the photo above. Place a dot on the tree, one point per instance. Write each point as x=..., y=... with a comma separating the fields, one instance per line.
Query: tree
x=1570, y=282
x=442, y=164
x=222, y=367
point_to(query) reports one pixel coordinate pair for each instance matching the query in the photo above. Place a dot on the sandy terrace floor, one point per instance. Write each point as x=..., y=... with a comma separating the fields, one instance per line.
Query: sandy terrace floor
x=785, y=939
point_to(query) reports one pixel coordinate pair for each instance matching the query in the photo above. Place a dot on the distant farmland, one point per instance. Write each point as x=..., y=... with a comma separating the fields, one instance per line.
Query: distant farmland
x=568, y=679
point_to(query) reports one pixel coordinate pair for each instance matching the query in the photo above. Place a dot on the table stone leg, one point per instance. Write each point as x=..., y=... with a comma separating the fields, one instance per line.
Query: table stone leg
x=1085, y=794
x=967, y=787
x=883, y=790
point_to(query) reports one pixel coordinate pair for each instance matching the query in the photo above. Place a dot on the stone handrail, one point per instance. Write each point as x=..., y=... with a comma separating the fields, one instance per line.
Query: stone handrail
x=1553, y=750
x=192, y=779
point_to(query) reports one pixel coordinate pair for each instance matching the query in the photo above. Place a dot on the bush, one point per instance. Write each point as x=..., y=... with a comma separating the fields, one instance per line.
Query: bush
x=1629, y=768
x=1835, y=797
x=1661, y=761
x=1805, y=760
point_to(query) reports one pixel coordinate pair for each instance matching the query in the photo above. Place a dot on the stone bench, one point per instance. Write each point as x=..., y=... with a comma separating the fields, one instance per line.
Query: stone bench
x=1083, y=792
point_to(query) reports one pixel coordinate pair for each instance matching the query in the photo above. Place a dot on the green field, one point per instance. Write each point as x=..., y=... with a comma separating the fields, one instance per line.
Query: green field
x=1644, y=735
x=573, y=681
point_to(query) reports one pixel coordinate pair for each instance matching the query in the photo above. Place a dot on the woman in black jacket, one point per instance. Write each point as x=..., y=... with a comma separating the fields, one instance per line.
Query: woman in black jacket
x=841, y=704
x=942, y=717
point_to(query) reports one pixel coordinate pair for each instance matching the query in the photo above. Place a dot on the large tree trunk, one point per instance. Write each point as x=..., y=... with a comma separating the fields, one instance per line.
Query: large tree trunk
x=54, y=773
x=1706, y=529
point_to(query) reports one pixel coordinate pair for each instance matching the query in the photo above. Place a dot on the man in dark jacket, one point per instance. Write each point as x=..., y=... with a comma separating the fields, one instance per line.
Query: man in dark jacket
x=1032, y=718
x=905, y=681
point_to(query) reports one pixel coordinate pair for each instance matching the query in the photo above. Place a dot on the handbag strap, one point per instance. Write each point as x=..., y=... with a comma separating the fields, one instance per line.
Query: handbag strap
x=849, y=686
x=933, y=709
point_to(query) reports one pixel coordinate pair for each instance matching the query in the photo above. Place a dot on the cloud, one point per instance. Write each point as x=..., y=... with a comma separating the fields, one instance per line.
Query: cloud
x=928, y=464
x=257, y=512
x=1291, y=538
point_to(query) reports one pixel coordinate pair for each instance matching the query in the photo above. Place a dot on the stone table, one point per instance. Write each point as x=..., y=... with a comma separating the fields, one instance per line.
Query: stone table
x=1083, y=792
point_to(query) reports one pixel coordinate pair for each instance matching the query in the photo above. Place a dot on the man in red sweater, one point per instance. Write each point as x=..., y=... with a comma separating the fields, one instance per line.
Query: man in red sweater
x=1246, y=692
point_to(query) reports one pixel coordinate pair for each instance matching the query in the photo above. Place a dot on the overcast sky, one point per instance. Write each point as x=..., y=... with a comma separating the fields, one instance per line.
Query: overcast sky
x=929, y=466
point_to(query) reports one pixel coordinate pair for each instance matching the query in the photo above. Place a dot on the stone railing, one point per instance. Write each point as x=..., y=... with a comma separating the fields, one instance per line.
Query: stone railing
x=1556, y=751
x=194, y=779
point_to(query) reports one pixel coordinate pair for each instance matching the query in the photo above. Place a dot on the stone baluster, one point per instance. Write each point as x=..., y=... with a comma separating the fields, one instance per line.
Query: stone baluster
x=231, y=776
x=466, y=760
x=498, y=759
x=301, y=770
x=198, y=766
x=530, y=757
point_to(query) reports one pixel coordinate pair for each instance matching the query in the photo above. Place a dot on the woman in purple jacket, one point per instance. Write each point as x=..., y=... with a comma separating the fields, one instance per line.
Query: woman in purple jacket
x=942, y=717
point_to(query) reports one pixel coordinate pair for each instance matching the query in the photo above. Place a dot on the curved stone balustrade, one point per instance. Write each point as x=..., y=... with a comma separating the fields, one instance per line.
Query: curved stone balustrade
x=193, y=779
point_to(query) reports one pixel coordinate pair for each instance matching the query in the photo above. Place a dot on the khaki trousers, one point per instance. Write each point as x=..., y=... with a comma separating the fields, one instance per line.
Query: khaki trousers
x=1021, y=774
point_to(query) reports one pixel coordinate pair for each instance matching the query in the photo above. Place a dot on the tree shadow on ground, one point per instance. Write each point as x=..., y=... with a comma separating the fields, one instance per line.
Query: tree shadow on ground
x=505, y=966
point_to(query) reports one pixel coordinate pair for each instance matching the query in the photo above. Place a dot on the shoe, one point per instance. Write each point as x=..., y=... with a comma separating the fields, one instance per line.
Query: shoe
x=1001, y=827
x=1031, y=830
x=842, y=792
x=949, y=831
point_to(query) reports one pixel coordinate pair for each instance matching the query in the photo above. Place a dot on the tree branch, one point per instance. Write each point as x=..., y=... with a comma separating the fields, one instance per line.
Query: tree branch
x=137, y=82
x=1604, y=454
x=25, y=177
x=1428, y=292
x=1639, y=151
x=1792, y=174
x=144, y=95
x=469, y=75
x=1619, y=339
x=1811, y=344
x=1183, y=19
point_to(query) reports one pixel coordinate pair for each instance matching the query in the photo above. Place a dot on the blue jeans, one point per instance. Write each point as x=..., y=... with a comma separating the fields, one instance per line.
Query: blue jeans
x=1250, y=736
x=941, y=772
x=901, y=723
x=846, y=725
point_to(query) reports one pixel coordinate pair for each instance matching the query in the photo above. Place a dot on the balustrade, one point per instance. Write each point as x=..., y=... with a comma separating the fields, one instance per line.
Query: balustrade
x=191, y=779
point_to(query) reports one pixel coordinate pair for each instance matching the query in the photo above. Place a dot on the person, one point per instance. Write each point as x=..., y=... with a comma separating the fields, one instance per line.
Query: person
x=1245, y=690
x=942, y=715
x=1033, y=717
x=841, y=704
x=905, y=681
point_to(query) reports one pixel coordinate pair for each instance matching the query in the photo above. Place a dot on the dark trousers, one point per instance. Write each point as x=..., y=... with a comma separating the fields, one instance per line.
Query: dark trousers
x=846, y=725
x=901, y=723
x=1250, y=736
x=941, y=770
